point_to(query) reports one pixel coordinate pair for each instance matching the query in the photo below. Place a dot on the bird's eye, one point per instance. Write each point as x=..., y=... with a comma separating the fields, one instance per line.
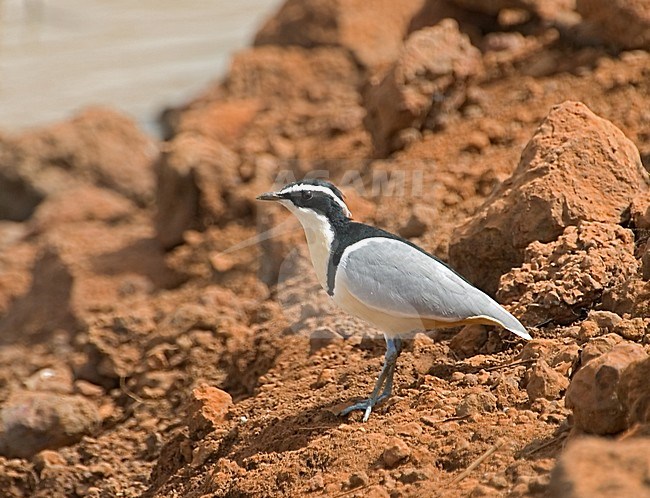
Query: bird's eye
x=306, y=195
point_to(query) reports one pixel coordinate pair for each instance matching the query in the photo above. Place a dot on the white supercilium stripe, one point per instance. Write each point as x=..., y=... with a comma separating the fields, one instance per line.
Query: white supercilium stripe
x=301, y=187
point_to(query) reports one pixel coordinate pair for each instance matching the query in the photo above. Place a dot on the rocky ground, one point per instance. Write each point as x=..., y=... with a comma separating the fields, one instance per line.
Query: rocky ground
x=162, y=334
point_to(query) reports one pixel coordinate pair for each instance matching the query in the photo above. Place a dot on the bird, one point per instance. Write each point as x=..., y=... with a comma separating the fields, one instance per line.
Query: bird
x=382, y=278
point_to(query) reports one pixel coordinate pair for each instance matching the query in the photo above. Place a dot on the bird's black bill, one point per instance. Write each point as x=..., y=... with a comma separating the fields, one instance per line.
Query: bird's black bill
x=269, y=196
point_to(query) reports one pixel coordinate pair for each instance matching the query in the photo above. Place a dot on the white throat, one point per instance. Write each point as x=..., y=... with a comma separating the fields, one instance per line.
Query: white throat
x=319, y=235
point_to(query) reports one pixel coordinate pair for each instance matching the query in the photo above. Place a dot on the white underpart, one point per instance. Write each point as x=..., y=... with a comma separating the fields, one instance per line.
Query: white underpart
x=317, y=188
x=319, y=235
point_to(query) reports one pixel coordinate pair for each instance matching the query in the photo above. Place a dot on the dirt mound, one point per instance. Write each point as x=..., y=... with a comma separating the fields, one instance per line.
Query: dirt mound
x=427, y=79
x=184, y=347
x=626, y=24
x=593, y=391
x=580, y=469
x=561, y=279
x=576, y=167
x=234, y=141
x=98, y=146
x=371, y=32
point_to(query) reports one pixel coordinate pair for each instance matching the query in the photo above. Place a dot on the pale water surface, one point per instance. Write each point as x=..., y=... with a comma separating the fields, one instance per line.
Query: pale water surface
x=139, y=56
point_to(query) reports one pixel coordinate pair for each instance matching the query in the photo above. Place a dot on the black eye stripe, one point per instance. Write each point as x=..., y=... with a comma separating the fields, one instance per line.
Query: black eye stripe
x=307, y=194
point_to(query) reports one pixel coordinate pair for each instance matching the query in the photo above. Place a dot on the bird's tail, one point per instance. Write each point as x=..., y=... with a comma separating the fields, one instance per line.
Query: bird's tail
x=509, y=322
x=518, y=329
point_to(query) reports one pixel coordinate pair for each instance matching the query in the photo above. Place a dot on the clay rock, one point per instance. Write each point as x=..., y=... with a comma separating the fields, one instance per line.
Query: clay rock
x=545, y=382
x=208, y=409
x=225, y=121
x=312, y=113
x=113, y=350
x=47, y=459
x=645, y=262
x=97, y=146
x=473, y=22
x=477, y=404
x=35, y=421
x=277, y=244
x=491, y=7
x=554, y=363
x=358, y=479
x=17, y=254
x=117, y=348
x=517, y=9
x=572, y=151
x=598, y=323
x=46, y=306
x=287, y=73
x=631, y=297
x=559, y=354
x=362, y=209
x=81, y=203
x=634, y=392
x=427, y=79
x=606, y=321
x=396, y=452
x=633, y=329
x=593, y=395
x=640, y=211
x=292, y=90
x=597, y=346
x=559, y=278
x=83, y=267
x=469, y=340
x=194, y=175
x=600, y=468
x=371, y=31
x=622, y=22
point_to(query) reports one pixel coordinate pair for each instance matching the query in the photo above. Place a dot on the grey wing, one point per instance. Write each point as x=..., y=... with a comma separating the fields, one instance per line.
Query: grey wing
x=394, y=277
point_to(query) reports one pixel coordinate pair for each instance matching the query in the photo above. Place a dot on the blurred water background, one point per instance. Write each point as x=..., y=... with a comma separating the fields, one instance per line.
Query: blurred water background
x=57, y=56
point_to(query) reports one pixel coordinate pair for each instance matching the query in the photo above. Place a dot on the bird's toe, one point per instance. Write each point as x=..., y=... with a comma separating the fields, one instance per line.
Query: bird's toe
x=364, y=406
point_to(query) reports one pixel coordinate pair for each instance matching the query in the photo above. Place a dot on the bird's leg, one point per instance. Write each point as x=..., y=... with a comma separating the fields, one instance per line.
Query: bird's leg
x=385, y=380
x=392, y=361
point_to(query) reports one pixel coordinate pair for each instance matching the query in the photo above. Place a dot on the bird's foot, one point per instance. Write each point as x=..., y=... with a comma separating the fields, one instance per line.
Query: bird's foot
x=385, y=381
x=365, y=406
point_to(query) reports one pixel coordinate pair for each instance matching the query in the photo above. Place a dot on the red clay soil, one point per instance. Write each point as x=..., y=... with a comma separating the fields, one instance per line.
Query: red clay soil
x=163, y=335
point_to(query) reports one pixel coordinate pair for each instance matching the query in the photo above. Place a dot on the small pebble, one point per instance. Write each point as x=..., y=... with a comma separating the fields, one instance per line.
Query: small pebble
x=430, y=421
x=471, y=379
x=88, y=389
x=483, y=377
x=409, y=476
x=477, y=404
x=457, y=377
x=498, y=481
x=448, y=427
x=327, y=376
x=47, y=458
x=316, y=483
x=395, y=452
x=409, y=429
x=358, y=479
